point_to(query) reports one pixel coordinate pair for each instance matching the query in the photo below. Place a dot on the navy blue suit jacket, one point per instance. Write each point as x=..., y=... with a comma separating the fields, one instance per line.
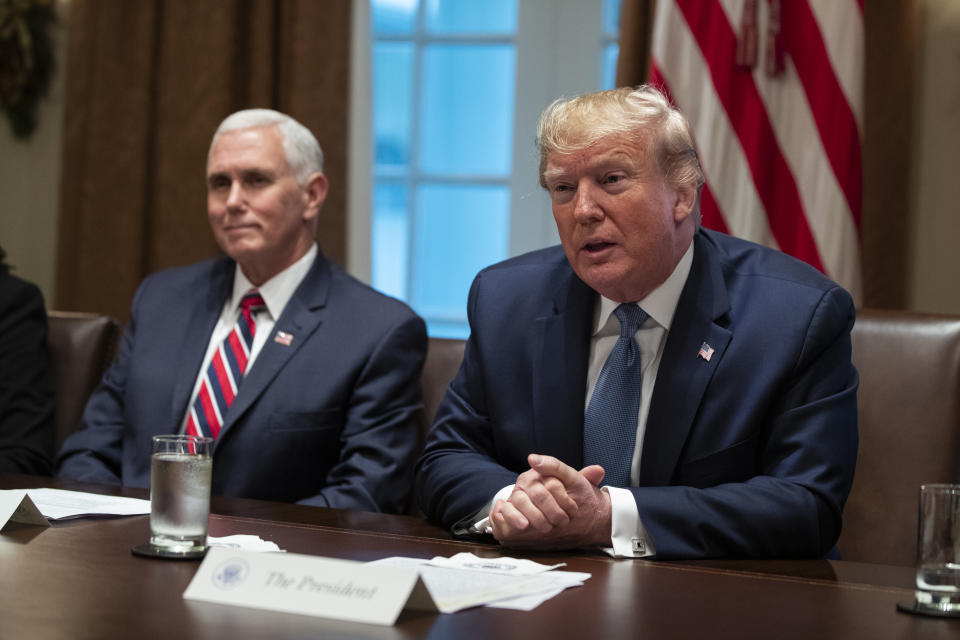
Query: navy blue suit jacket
x=748, y=454
x=329, y=420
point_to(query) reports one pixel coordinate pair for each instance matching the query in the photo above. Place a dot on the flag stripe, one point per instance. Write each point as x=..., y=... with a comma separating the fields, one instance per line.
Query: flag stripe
x=746, y=111
x=724, y=163
x=710, y=211
x=822, y=199
x=841, y=24
x=773, y=146
x=710, y=215
x=831, y=111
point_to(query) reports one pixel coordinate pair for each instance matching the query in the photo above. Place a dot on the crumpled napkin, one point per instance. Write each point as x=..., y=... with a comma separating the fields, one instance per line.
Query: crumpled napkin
x=244, y=542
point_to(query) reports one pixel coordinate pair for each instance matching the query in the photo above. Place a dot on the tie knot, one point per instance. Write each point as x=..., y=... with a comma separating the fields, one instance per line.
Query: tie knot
x=252, y=300
x=631, y=318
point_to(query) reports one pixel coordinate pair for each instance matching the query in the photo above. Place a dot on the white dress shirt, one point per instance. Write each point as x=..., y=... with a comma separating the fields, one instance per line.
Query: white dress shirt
x=276, y=292
x=628, y=536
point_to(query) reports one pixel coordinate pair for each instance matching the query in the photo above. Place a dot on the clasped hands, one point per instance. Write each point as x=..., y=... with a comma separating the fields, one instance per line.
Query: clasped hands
x=554, y=506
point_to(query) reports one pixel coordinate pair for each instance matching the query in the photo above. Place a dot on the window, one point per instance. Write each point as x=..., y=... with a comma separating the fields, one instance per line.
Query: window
x=457, y=86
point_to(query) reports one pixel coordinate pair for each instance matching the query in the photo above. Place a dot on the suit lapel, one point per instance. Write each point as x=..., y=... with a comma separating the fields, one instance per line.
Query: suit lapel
x=196, y=337
x=300, y=318
x=683, y=376
x=560, y=371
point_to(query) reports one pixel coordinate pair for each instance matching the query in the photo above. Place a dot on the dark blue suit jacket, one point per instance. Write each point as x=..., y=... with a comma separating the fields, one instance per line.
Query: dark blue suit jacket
x=748, y=454
x=329, y=420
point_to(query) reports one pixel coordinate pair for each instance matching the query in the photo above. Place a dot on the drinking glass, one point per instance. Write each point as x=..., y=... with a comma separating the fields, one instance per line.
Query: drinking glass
x=180, y=472
x=938, y=548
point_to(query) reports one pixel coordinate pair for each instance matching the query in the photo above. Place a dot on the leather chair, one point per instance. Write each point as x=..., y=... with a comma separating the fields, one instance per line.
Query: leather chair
x=81, y=346
x=444, y=356
x=909, y=419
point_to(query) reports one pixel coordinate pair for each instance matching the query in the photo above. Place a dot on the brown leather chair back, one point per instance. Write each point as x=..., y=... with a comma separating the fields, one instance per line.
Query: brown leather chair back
x=81, y=347
x=909, y=406
x=444, y=356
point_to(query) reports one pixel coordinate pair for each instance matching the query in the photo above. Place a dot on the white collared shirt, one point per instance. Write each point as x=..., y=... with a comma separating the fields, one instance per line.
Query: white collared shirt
x=276, y=293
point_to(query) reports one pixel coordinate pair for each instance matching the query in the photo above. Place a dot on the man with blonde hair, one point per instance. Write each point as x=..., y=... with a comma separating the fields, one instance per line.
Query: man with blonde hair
x=650, y=388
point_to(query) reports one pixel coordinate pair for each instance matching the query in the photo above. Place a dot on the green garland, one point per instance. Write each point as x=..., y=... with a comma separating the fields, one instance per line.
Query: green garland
x=26, y=60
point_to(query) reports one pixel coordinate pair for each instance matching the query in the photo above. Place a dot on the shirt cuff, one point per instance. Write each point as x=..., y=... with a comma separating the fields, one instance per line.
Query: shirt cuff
x=627, y=534
x=482, y=525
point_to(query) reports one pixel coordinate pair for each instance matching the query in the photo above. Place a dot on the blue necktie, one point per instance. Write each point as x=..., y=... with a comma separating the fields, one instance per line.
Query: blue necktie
x=610, y=423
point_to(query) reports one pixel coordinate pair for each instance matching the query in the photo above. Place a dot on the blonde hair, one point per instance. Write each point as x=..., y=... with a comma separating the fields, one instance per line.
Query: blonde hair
x=569, y=125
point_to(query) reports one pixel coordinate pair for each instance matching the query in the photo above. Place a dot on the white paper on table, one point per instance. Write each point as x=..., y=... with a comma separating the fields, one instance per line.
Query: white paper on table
x=244, y=542
x=454, y=589
x=563, y=580
x=59, y=504
x=508, y=566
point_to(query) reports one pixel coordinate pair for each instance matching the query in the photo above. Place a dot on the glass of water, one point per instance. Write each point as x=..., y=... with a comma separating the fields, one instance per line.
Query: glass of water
x=180, y=471
x=938, y=548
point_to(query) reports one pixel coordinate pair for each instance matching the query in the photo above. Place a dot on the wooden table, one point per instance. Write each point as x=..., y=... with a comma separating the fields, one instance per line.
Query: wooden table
x=78, y=579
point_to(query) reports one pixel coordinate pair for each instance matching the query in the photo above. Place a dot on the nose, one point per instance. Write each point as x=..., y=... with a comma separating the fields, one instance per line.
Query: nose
x=235, y=198
x=585, y=206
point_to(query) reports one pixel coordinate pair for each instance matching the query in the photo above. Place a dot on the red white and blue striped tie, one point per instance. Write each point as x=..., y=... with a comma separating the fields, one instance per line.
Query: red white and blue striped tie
x=222, y=377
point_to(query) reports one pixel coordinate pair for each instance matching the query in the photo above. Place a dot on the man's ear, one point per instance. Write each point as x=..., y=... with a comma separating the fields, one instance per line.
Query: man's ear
x=315, y=193
x=683, y=204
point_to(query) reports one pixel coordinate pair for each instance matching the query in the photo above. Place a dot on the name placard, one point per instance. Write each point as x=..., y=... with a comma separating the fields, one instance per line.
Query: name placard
x=16, y=506
x=308, y=585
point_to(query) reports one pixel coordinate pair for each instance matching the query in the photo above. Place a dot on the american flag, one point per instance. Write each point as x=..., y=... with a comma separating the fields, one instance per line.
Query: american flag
x=283, y=338
x=706, y=352
x=773, y=90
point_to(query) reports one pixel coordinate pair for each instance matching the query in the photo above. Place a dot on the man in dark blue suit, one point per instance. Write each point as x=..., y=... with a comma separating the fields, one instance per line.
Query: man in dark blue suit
x=707, y=377
x=325, y=413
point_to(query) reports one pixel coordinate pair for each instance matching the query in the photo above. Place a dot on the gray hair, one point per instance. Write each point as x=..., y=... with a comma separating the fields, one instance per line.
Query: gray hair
x=569, y=125
x=303, y=152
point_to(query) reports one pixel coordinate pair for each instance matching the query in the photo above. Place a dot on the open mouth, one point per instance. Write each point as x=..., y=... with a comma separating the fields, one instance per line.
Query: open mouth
x=596, y=247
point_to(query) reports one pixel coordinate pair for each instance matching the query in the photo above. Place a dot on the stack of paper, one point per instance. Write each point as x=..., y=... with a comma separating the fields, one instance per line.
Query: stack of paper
x=466, y=580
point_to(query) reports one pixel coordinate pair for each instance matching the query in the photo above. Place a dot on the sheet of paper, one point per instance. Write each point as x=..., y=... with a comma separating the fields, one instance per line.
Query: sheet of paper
x=16, y=506
x=454, y=588
x=564, y=580
x=59, y=504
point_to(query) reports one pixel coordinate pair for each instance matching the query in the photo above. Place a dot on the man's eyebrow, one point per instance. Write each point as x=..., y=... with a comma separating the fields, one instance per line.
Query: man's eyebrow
x=553, y=173
x=616, y=159
x=243, y=173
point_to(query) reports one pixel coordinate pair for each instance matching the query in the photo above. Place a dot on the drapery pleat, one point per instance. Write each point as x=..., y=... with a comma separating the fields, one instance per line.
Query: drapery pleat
x=147, y=83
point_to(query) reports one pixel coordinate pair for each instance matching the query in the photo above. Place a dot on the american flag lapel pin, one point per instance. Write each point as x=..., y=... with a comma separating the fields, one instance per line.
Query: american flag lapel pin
x=706, y=352
x=283, y=338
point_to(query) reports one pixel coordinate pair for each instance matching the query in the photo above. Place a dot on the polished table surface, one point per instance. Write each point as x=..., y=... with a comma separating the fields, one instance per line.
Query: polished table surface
x=78, y=579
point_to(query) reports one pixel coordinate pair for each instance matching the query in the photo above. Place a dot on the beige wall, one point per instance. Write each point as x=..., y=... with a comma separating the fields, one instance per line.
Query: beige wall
x=30, y=172
x=935, y=245
x=30, y=182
